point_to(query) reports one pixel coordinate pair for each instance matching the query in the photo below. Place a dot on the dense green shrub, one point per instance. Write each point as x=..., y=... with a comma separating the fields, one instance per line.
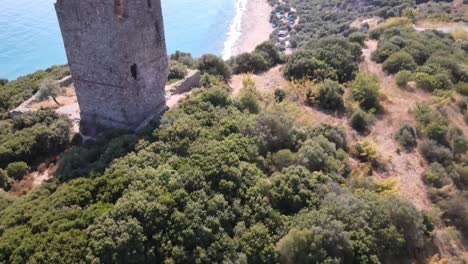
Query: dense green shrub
x=214, y=65
x=436, y=175
x=269, y=52
x=328, y=96
x=303, y=64
x=358, y=37
x=340, y=54
x=249, y=62
x=283, y=158
x=399, y=61
x=365, y=90
x=249, y=101
x=6, y=182
x=462, y=88
x=384, y=50
x=434, y=152
x=361, y=120
x=403, y=77
x=456, y=211
x=17, y=170
x=34, y=137
x=177, y=70
x=406, y=135
x=184, y=58
x=280, y=95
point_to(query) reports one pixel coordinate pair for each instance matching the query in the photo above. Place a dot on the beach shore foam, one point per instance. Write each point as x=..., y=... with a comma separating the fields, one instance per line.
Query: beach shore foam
x=250, y=27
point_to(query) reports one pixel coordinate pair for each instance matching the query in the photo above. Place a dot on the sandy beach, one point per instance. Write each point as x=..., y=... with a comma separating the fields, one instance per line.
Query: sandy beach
x=256, y=27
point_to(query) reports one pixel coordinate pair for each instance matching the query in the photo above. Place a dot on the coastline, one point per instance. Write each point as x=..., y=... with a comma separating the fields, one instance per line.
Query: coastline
x=255, y=28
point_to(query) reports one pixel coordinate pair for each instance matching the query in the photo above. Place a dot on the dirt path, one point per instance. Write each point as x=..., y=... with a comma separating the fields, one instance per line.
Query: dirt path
x=266, y=81
x=407, y=167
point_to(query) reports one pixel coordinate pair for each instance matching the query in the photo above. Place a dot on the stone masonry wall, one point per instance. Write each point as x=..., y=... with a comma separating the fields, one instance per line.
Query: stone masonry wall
x=117, y=56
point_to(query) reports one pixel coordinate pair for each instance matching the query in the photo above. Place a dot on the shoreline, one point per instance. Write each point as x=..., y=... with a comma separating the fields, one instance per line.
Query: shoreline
x=255, y=27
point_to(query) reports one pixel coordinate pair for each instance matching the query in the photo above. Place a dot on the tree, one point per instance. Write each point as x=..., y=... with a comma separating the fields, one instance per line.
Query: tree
x=303, y=64
x=406, y=135
x=214, y=65
x=249, y=62
x=280, y=94
x=329, y=95
x=366, y=91
x=17, y=170
x=5, y=181
x=49, y=88
x=399, y=61
x=177, y=70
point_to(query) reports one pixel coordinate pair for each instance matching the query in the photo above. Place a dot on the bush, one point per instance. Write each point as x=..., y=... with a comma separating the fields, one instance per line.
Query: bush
x=214, y=65
x=399, y=61
x=3, y=81
x=283, y=158
x=365, y=90
x=462, y=88
x=384, y=51
x=5, y=181
x=302, y=64
x=360, y=120
x=403, y=77
x=329, y=96
x=269, y=52
x=436, y=175
x=249, y=101
x=249, y=62
x=434, y=152
x=17, y=170
x=426, y=81
x=407, y=135
x=177, y=70
x=280, y=95
x=184, y=58
x=358, y=37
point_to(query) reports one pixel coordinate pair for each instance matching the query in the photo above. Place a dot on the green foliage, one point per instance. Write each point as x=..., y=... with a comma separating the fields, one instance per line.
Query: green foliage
x=17, y=170
x=358, y=37
x=406, y=135
x=292, y=189
x=49, y=88
x=361, y=120
x=5, y=181
x=249, y=101
x=435, y=152
x=13, y=93
x=198, y=190
x=340, y=54
x=214, y=65
x=462, y=88
x=280, y=95
x=177, y=70
x=399, y=61
x=270, y=52
x=249, y=62
x=303, y=65
x=403, y=77
x=283, y=158
x=365, y=90
x=34, y=136
x=329, y=96
x=436, y=175
x=184, y=58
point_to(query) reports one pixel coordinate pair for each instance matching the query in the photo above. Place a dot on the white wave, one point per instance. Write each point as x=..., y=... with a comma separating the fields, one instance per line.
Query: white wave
x=235, y=29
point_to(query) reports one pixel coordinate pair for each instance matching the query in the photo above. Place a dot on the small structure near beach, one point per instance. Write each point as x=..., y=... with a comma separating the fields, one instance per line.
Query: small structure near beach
x=117, y=55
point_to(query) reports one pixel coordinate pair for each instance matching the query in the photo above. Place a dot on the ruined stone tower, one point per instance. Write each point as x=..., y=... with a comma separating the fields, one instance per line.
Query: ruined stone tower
x=117, y=55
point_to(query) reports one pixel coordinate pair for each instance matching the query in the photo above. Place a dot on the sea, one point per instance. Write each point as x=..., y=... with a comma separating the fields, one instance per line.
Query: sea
x=30, y=37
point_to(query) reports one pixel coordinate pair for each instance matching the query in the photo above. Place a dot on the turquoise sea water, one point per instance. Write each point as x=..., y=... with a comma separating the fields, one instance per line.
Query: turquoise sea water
x=30, y=36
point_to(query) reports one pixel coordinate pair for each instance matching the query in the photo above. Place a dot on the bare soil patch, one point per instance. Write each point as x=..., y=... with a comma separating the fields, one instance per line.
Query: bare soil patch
x=267, y=81
x=407, y=167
